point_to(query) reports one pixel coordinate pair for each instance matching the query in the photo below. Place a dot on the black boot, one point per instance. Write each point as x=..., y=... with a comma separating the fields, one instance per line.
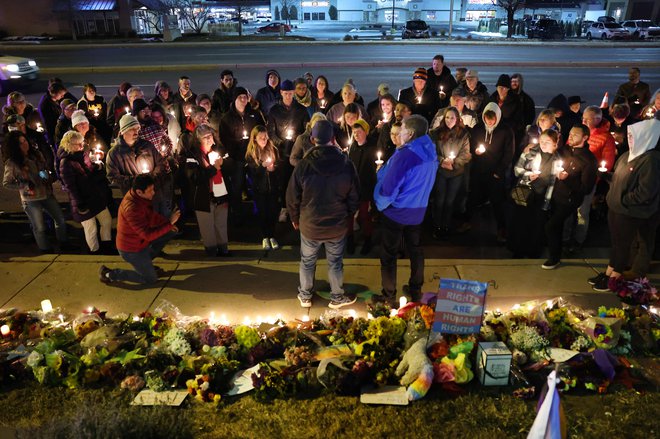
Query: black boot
x=366, y=247
x=350, y=245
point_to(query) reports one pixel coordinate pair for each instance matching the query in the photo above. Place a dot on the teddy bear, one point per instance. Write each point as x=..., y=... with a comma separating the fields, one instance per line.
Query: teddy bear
x=417, y=370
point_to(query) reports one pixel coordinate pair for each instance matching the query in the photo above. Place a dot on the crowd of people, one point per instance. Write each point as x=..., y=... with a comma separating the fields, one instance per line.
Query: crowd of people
x=328, y=161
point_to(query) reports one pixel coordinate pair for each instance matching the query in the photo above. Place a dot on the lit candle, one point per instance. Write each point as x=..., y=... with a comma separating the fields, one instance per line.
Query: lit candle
x=516, y=306
x=212, y=317
x=419, y=99
x=481, y=149
x=352, y=313
x=98, y=147
x=246, y=321
x=548, y=303
x=90, y=309
x=452, y=156
x=213, y=156
x=536, y=168
x=379, y=156
x=136, y=318
x=441, y=89
x=305, y=318
x=46, y=306
x=636, y=101
x=40, y=128
x=403, y=300
x=245, y=136
x=61, y=317
x=560, y=166
x=535, y=140
x=172, y=113
x=128, y=110
x=370, y=316
x=268, y=161
x=5, y=330
x=603, y=166
x=145, y=168
x=96, y=112
x=289, y=134
x=163, y=147
x=322, y=103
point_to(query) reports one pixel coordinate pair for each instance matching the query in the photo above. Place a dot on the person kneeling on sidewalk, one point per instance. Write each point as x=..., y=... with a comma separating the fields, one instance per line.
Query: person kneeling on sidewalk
x=141, y=234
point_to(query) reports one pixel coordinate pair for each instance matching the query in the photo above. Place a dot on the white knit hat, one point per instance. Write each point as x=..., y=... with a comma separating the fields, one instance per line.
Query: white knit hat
x=77, y=117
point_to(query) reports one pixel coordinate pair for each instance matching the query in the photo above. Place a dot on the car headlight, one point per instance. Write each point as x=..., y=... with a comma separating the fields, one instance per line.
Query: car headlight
x=11, y=67
x=32, y=63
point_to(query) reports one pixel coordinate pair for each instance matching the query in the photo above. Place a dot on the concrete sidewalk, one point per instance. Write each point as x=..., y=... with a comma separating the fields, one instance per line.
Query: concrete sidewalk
x=256, y=285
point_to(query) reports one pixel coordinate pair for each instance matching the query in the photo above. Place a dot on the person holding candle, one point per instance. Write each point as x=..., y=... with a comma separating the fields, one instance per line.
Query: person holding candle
x=322, y=197
x=163, y=96
x=476, y=90
x=26, y=171
x=572, y=186
x=363, y=154
x=421, y=99
x=286, y=121
x=85, y=182
x=182, y=99
x=544, y=121
x=322, y=94
x=235, y=128
x=385, y=114
x=63, y=121
x=15, y=122
x=50, y=109
x=169, y=123
x=452, y=143
x=440, y=79
x=304, y=141
x=131, y=156
x=344, y=137
x=263, y=163
x=386, y=142
x=538, y=167
x=401, y=194
x=620, y=118
x=210, y=191
x=635, y=92
x=142, y=233
x=601, y=142
x=348, y=96
x=492, y=147
x=96, y=110
x=116, y=107
x=17, y=104
x=652, y=108
x=93, y=142
x=633, y=201
x=374, y=109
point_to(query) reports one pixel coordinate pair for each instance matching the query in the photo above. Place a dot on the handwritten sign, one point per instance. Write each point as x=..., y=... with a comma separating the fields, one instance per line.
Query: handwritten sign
x=460, y=306
x=149, y=397
x=389, y=395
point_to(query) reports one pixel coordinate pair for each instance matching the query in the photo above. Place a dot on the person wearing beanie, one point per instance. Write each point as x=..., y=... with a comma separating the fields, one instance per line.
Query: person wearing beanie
x=421, y=99
x=269, y=95
x=286, y=121
x=510, y=105
x=475, y=89
x=440, y=79
x=363, y=154
x=117, y=107
x=78, y=117
x=64, y=120
x=235, y=128
x=223, y=96
x=131, y=156
x=163, y=96
x=327, y=182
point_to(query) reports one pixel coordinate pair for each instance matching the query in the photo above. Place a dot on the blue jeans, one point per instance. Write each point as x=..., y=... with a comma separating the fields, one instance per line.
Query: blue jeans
x=334, y=252
x=446, y=189
x=142, y=262
x=34, y=211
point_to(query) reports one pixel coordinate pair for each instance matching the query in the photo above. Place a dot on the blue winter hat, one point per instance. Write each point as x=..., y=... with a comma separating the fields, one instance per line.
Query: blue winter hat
x=287, y=85
x=323, y=132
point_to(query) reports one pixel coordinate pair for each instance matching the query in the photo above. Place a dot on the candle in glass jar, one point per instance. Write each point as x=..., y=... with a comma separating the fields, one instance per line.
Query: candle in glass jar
x=603, y=166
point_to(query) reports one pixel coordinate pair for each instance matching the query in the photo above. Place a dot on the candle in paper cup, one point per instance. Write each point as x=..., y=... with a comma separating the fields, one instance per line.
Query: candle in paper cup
x=145, y=168
x=213, y=156
x=452, y=156
x=481, y=149
x=603, y=166
x=96, y=112
x=289, y=134
x=560, y=165
x=322, y=103
x=5, y=330
x=46, y=306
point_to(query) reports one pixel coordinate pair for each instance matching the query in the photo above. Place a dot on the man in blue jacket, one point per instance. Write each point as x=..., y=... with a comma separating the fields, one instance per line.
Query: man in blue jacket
x=402, y=195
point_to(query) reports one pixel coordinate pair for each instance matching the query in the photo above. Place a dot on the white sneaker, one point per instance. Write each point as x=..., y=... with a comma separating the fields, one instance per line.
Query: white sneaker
x=274, y=244
x=265, y=244
x=283, y=215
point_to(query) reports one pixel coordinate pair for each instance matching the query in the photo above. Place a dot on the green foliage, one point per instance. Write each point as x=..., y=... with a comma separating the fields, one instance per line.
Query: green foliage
x=332, y=12
x=293, y=13
x=277, y=13
x=285, y=14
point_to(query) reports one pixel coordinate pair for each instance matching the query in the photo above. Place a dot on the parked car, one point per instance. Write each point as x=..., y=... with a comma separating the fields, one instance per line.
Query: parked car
x=545, y=28
x=607, y=31
x=15, y=71
x=606, y=19
x=274, y=28
x=641, y=28
x=416, y=29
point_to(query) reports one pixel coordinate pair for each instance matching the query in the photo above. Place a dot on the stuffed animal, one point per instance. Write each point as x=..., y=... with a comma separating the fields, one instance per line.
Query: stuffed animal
x=418, y=370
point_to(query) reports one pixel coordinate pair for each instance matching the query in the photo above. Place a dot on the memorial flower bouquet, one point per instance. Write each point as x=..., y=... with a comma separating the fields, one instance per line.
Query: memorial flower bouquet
x=634, y=292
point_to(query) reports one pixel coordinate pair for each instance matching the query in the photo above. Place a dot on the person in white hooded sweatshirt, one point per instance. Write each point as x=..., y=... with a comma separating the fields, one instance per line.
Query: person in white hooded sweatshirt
x=633, y=201
x=491, y=146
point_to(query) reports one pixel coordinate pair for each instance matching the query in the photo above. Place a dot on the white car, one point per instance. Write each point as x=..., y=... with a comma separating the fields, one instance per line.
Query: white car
x=607, y=31
x=641, y=28
x=15, y=70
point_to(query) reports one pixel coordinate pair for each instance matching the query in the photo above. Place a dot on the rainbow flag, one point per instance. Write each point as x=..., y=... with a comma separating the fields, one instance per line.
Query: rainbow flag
x=550, y=422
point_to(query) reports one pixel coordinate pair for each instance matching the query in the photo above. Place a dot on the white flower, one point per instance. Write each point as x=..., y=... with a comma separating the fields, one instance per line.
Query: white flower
x=34, y=359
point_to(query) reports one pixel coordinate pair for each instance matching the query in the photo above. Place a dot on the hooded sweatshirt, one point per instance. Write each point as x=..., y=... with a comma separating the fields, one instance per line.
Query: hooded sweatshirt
x=635, y=187
x=498, y=141
x=268, y=96
x=404, y=183
x=323, y=194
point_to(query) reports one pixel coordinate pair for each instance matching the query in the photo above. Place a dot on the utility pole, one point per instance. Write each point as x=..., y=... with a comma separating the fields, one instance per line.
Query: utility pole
x=393, y=3
x=451, y=16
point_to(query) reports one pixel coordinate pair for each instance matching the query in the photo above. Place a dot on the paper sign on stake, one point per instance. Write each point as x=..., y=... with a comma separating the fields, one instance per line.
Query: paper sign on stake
x=149, y=397
x=390, y=395
x=460, y=306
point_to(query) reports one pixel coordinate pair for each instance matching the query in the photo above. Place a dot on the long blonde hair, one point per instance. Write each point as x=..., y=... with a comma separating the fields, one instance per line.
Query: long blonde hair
x=68, y=138
x=254, y=152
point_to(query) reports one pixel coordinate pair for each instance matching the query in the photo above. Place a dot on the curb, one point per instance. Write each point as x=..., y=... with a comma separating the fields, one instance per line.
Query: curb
x=201, y=67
